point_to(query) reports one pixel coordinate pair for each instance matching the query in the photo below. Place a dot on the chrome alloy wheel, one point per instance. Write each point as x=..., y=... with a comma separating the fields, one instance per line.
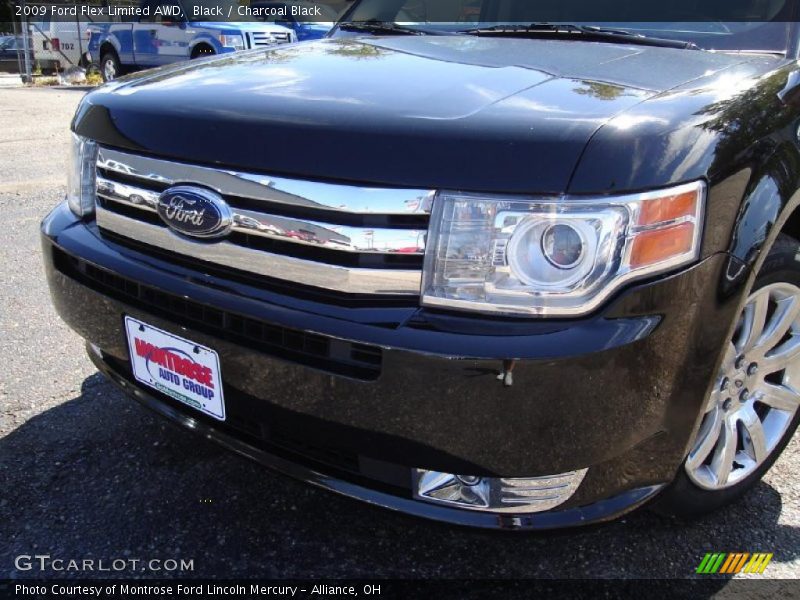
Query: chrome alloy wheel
x=757, y=392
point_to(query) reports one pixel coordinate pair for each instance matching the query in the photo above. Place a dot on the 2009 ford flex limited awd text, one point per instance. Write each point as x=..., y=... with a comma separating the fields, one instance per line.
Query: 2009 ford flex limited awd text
x=504, y=275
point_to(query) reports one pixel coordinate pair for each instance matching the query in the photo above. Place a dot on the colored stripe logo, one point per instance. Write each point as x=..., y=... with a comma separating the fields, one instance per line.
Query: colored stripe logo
x=730, y=563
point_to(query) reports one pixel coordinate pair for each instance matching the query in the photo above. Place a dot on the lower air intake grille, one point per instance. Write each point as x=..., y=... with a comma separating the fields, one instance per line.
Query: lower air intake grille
x=359, y=361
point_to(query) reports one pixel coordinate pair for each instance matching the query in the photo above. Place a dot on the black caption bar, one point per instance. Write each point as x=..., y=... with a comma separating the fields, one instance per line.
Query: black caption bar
x=416, y=11
x=132, y=11
x=394, y=589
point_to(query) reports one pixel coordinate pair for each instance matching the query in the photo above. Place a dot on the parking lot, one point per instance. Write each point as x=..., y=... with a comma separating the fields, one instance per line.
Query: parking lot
x=85, y=472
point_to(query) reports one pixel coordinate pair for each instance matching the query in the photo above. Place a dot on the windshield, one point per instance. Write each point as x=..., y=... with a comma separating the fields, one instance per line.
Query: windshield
x=751, y=25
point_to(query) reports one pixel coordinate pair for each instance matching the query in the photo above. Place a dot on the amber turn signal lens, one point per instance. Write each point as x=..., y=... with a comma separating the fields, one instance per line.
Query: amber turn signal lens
x=651, y=247
x=668, y=208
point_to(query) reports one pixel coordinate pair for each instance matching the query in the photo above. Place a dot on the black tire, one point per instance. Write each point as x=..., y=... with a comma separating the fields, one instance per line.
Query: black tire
x=683, y=498
x=202, y=51
x=110, y=67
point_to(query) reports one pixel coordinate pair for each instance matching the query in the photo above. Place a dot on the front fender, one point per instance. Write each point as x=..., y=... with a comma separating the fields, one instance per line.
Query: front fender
x=734, y=132
x=771, y=198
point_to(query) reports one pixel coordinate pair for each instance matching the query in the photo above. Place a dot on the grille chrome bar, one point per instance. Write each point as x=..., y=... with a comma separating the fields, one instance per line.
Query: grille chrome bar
x=127, y=194
x=263, y=39
x=292, y=192
x=300, y=231
x=316, y=274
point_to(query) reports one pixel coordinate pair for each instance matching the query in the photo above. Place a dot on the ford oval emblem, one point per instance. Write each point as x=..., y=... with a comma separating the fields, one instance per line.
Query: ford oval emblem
x=195, y=211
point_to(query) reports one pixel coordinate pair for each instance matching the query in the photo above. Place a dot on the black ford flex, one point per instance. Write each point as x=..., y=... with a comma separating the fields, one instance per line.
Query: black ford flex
x=486, y=269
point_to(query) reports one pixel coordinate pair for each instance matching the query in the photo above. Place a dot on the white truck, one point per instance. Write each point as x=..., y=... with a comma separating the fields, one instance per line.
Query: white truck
x=57, y=45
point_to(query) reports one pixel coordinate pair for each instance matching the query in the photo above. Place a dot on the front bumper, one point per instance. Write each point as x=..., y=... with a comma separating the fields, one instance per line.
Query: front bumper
x=595, y=512
x=404, y=388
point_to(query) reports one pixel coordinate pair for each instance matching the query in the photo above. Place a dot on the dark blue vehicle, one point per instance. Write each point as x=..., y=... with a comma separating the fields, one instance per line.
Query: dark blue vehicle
x=498, y=274
x=176, y=30
x=308, y=20
x=12, y=50
x=9, y=47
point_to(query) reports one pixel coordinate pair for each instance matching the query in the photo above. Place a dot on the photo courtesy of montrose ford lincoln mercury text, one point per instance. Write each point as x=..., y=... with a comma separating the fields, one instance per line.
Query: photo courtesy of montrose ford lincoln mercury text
x=457, y=259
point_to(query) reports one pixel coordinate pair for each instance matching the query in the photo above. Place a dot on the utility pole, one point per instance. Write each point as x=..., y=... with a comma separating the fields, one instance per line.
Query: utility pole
x=26, y=44
x=16, y=30
x=80, y=39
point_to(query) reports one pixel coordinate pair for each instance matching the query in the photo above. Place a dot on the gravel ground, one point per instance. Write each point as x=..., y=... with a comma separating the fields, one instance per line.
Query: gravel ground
x=84, y=472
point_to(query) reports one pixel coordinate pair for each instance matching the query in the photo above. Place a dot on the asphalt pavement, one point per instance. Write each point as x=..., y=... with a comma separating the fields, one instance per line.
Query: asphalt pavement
x=87, y=473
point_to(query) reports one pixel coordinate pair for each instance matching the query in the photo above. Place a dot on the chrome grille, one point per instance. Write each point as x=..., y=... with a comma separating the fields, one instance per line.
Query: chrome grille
x=262, y=39
x=339, y=237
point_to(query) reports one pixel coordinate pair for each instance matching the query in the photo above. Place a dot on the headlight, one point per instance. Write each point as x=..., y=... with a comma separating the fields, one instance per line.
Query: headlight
x=232, y=41
x=554, y=257
x=81, y=179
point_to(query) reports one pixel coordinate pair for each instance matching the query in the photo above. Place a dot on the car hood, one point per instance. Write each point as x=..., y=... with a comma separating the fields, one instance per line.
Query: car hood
x=503, y=115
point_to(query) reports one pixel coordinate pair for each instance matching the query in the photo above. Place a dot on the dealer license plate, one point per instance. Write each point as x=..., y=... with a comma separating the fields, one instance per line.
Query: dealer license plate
x=176, y=367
